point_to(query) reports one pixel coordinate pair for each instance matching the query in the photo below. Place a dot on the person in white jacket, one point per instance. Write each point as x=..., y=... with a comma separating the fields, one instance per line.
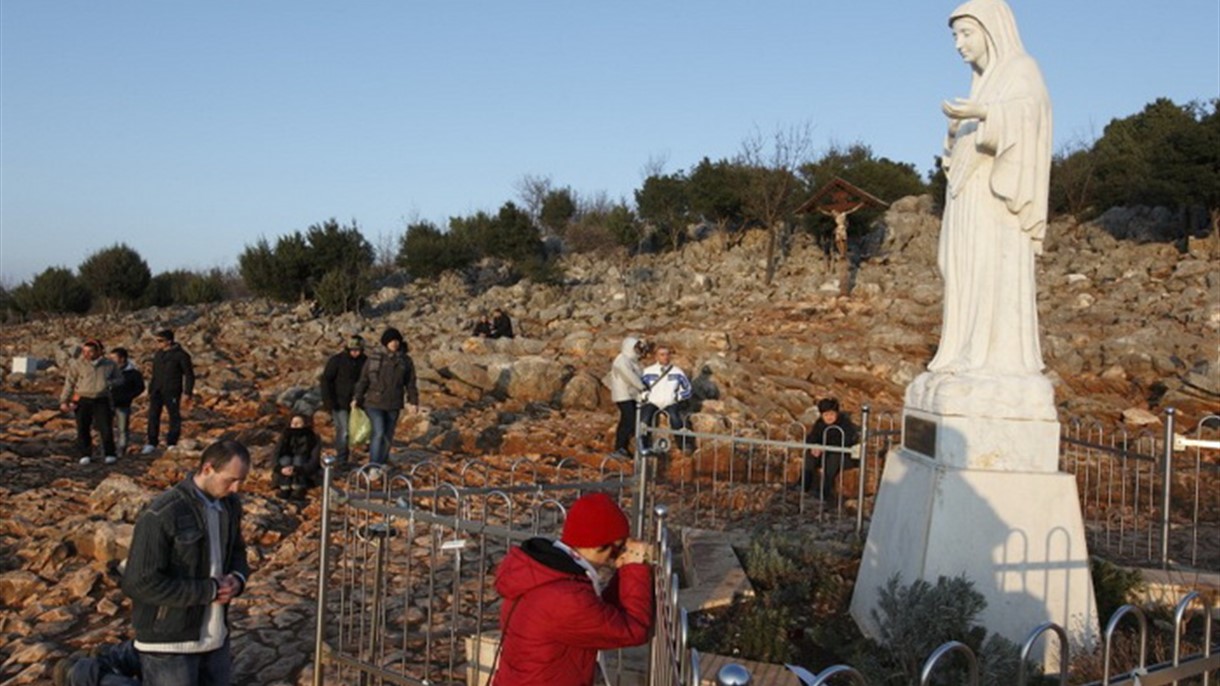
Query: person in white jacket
x=668, y=391
x=626, y=387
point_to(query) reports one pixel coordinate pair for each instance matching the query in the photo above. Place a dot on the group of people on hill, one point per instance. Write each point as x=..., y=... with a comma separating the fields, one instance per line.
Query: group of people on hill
x=99, y=389
x=498, y=325
x=661, y=388
x=664, y=388
x=564, y=599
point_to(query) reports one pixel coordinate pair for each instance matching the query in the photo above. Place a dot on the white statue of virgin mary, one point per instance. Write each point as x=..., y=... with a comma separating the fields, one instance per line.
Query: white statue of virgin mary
x=997, y=159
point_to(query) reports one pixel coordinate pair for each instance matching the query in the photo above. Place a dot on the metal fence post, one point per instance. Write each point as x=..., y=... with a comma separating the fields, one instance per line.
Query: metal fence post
x=733, y=674
x=328, y=464
x=641, y=475
x=864, y=423
x=1167, y=478
x=656, y=651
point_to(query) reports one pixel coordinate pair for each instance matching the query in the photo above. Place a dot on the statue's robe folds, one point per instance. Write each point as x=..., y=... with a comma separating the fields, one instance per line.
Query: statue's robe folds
x=995, y=214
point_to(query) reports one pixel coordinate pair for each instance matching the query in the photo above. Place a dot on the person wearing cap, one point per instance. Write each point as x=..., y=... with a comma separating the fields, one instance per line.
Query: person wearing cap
x=833, y=429
x=565, y=600
x=339, y=390
x=386, y=381
x=170, y=388
x=86, y=392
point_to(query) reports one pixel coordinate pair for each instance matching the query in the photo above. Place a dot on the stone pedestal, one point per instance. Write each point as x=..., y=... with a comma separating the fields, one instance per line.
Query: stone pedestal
x=981, y=496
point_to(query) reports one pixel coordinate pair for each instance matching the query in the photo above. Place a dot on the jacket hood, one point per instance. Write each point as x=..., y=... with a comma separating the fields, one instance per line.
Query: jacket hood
x=628, y=347
x=535, y=563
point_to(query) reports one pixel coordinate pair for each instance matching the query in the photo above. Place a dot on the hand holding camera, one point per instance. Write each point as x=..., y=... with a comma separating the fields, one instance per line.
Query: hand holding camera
x=635, y=552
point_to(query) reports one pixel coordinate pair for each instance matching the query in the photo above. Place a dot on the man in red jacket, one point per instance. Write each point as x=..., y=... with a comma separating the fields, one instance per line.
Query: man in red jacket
x=564, y=601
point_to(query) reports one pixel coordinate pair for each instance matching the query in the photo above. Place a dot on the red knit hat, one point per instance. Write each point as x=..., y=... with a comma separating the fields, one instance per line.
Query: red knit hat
x=593, y=521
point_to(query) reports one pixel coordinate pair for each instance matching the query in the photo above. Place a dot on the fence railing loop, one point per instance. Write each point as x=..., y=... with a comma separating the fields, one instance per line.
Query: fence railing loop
x=929, y=666
x=1109, y=637
x=1027, y=648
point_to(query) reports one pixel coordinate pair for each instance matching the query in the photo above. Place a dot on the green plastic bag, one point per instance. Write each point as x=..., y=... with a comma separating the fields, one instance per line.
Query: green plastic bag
x=359, y=428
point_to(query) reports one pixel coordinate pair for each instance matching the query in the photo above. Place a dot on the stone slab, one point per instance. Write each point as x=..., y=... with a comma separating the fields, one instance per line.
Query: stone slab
x=1168, y=587
x=713, y=573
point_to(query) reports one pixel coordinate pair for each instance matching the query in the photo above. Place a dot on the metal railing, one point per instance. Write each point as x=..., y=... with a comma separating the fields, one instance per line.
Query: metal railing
x=729, y=476
x=404, y=578
x=1203, y=665
x=1148, y=497
x=404, y=594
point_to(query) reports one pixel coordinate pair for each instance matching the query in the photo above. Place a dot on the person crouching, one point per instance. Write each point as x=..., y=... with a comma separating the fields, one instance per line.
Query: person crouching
x=565, y=600
x=297, y=459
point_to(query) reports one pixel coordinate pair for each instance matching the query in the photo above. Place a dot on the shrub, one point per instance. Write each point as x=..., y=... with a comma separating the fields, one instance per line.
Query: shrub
x=117, y=275
x=558, y=209
x=1113, y=586
x=182, y=287
x=426, y=253
x=9, y=312
x=799, y=608
x=55, y=291
x=164, y=288
x=914, y=620
x=293, y=269
x=204, y=288
x=342, y=290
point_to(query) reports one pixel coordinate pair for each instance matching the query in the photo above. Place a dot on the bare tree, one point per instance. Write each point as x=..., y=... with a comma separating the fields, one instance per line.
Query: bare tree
x=771, y=164
x=532, y=190
x=655, y=166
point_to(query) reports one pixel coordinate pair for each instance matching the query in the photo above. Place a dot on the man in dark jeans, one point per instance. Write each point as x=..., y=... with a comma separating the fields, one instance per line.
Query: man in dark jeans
x=833, y=428
x=386, y=386
x=86, y=393
x=171, y=387
x=339, y=379
x=187, y=562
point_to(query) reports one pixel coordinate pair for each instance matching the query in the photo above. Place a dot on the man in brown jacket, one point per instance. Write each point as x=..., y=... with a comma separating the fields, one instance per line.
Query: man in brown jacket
x=86, y=392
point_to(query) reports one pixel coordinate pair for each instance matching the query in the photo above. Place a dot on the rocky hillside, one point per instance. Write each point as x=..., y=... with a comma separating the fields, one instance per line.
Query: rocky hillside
x=1128, y=329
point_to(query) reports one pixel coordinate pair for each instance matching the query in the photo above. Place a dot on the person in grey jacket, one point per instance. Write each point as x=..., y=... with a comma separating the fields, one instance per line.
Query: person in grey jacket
x=86, y=393
x=187, y=562
x=626, y=388
x=386, y=380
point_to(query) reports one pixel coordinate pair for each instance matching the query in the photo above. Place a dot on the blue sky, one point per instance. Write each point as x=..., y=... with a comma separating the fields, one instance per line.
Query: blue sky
x=189, y=130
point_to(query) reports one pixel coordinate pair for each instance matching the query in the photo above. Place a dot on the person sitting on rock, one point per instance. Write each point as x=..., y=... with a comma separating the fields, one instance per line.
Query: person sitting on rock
x=482, y=328
x=833, y=429
x=297, y=459
x=501, y=325
x=669, y=391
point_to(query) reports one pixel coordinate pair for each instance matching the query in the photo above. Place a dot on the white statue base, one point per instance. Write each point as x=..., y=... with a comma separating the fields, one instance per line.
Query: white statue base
x=982, y=496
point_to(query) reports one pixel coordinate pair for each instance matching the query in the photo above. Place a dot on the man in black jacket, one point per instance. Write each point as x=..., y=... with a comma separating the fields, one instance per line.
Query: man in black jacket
x=501, y=325
x=386, y=386
x=171, y=387
x=338, y=390
x=833, y=429
x=187, y=561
